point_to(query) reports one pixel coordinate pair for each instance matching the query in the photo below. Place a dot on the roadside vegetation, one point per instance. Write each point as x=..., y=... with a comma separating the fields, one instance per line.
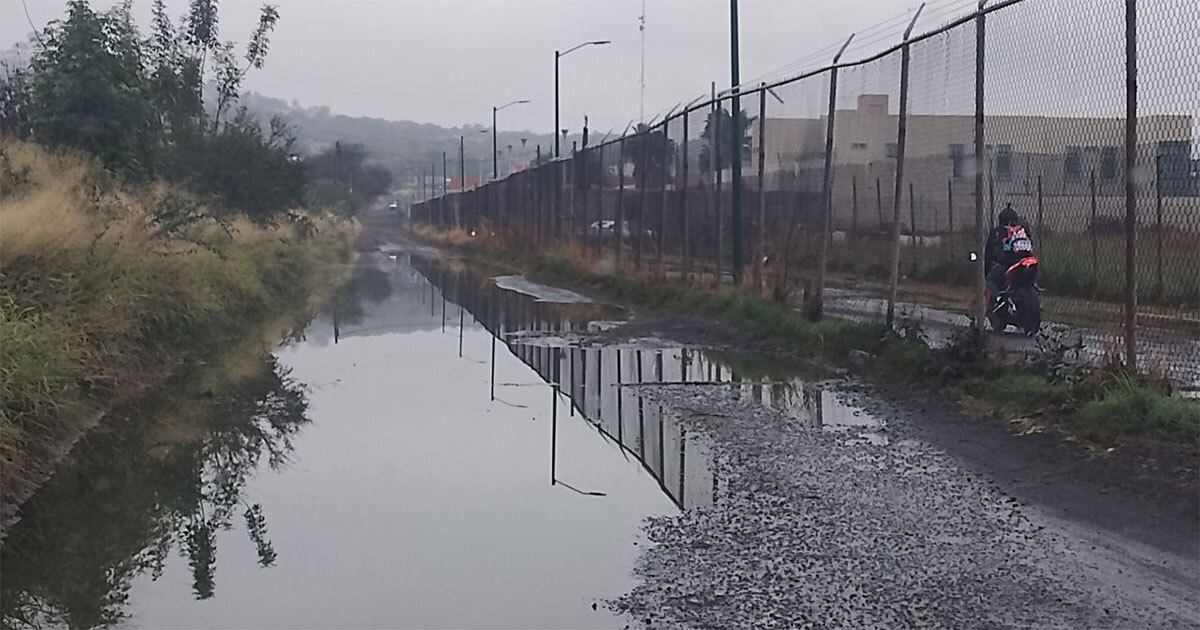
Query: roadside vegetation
x=1105, y=404
x=148, y=221
x=101, y=298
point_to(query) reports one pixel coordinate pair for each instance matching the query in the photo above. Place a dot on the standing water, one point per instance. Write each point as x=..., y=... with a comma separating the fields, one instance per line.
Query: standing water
x=364, y=476
x=432, y=451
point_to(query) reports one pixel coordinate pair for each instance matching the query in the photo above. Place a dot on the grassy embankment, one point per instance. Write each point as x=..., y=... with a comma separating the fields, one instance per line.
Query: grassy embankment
x=105, y=291
x=1106, y=405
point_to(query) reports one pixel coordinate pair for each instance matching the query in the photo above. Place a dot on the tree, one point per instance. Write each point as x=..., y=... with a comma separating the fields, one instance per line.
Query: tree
x=138, y=104
x=649, y=149
x=340, y=179
x=88, y=89
x=722, y=119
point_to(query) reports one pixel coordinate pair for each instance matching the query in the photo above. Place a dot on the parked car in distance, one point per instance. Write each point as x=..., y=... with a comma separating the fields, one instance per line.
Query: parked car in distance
x=606, y=232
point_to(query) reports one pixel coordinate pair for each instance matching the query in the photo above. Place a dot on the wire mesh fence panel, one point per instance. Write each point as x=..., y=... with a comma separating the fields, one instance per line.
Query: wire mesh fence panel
x=938, y=227
x=864, y=156
x=1055, y=136
x=1168, y=192
x=788, y=146
x=1054, y=130
x=702, y=217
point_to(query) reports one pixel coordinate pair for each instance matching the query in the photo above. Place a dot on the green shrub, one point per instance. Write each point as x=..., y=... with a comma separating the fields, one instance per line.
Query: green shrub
x=1022, y=392
x=1131, y=409
x=902, y=361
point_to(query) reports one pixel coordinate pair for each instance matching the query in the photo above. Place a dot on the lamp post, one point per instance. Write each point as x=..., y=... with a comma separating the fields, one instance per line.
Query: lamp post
x=495, y=161
x=557, y=55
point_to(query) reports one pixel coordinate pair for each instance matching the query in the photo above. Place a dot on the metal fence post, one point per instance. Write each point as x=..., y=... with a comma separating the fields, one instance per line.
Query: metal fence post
x=538, y=178
x=816, y=305
x=583, y=183
x=1158, y=228
x=599, y=200
x=573, y=174
x=761, y=249
x=620, y=235
x=912, y=229
x=641, y=177
x=854, y=204
x=717, y=169
x=980, y=300
x=879, y=201
x=662, y=210
x=557, y=174
x=462, y=183
x=1095, y=236
x=901, y=131
x=953, y=239
x=1131, y=139
x=735, y=161
x=1041, y=210
x=683, y=202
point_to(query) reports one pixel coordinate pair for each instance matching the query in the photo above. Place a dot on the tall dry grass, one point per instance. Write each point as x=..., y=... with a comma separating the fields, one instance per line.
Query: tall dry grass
x=99, y=294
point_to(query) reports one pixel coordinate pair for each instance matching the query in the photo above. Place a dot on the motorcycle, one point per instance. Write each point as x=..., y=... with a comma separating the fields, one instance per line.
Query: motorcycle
x=1017, y=304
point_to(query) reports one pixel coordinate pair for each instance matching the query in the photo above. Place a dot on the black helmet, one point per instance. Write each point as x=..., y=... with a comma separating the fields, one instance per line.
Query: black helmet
x=1008, y=216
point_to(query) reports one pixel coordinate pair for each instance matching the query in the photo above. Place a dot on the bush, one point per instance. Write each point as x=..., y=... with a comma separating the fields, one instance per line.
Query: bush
x=1130, y=408
x=100, y=297
x=903, y=361
x=1023, y=392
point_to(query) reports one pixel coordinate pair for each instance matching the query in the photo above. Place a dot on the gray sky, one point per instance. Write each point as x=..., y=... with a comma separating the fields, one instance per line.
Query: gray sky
x=449, y=61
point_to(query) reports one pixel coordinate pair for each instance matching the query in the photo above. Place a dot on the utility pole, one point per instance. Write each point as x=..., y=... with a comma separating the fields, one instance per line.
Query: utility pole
x=736, y=158
x=642, y=30
x=558, y=55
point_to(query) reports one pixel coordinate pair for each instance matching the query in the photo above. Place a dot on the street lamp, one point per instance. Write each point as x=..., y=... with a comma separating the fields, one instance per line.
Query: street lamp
x=496, y=162
x=557, y=54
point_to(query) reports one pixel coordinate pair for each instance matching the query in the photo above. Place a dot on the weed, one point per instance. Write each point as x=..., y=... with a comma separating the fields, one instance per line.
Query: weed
x=1129, y=408
x=1022, y=392
x=103, y=289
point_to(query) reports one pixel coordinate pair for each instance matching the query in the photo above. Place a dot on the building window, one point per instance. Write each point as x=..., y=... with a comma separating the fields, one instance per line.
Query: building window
x=956, y=159
x=892, y=150
x=1003, y=161
x=1178, y=173
x=1108, y=163
x=858, y=145
x=1073, y=164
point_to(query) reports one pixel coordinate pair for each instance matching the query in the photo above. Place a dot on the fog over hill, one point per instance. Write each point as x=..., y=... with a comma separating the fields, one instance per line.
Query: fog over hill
x=405, y=147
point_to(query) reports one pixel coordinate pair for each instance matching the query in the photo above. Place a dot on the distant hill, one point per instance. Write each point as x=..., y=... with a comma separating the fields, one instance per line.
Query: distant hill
x=403, y=146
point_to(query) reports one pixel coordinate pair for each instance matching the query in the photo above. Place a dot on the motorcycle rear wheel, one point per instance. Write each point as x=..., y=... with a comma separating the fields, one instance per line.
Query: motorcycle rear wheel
x=1029, y=311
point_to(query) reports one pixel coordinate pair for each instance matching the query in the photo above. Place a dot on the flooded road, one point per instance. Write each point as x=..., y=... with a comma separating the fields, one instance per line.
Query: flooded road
x=448, y=448
x=432, y=451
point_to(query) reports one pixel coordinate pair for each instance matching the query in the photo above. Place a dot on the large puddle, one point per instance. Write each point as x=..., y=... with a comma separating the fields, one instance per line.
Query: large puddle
x=433, y=451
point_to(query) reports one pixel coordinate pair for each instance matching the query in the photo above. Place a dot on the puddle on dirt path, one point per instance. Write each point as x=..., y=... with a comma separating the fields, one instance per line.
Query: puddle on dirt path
x=432, y=451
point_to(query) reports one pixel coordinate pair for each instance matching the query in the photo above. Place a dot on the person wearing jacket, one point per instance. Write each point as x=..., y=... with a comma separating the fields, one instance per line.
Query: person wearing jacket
x=1008, y=242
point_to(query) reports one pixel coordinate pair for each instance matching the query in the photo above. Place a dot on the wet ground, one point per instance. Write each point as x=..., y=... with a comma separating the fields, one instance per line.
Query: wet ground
x=1176, y=353
x=444, y=448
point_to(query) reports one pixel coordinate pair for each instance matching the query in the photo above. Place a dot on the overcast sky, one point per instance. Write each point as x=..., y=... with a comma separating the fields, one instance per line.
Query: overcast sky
x=449, y=61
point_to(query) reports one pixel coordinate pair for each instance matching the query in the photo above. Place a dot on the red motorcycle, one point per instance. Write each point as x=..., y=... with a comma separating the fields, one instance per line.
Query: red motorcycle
x=1018, y=304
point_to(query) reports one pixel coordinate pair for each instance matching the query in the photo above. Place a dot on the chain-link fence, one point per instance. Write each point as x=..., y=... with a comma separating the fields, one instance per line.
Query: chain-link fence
x=867, y=185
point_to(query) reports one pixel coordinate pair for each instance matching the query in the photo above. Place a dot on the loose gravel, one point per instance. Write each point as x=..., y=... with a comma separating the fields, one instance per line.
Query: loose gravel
x=813, y=528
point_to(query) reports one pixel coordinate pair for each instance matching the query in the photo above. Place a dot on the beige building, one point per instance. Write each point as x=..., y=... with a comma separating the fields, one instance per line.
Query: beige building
x=1063, y=155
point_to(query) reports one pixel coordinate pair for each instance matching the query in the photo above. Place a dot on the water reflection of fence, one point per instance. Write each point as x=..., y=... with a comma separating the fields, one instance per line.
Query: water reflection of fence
x=607, y=385
x=886, y=171
x=597, y=381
